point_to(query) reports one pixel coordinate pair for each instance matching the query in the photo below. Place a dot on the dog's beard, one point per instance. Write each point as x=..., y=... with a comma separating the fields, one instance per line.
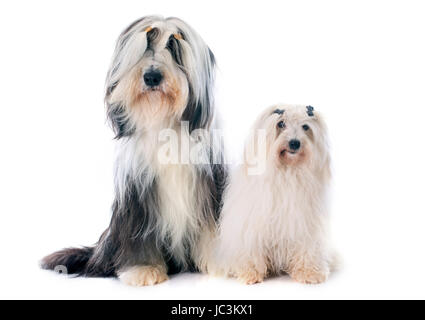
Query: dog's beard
x=161, y=105
x=286, y=157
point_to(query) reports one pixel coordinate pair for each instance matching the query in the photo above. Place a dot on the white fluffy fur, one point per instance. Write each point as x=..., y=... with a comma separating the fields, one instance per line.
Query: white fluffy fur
x=277, y=221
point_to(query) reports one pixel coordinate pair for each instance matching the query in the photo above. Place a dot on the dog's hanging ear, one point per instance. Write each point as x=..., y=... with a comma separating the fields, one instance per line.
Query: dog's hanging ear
x=129, y=49
x=199, y=110
x=310, y=110
x=116, y=114
x=117, y=117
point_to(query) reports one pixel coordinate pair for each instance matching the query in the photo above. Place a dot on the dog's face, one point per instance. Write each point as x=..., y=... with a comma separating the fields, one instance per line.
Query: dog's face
x=295, y=133
x=295, y=136
x=156, y=86
x=161, y=72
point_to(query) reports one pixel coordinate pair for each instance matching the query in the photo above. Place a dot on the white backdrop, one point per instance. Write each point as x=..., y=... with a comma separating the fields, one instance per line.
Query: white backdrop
x=360, y=62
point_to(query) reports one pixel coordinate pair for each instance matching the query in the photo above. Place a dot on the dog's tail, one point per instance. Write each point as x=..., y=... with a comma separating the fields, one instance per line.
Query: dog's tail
x=69, y=261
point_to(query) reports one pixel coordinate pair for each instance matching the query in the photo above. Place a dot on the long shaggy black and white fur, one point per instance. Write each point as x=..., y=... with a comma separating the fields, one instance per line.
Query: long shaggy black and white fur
x=164, y=213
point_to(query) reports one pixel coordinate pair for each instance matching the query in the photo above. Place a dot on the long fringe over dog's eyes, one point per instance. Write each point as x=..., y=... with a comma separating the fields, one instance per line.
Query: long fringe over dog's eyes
x=174, y=47
x=152, y=34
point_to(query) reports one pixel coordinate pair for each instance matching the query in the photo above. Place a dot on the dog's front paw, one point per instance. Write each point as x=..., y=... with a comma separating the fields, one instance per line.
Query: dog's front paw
x=309, y=276
x=140, y=276
x=250, y=277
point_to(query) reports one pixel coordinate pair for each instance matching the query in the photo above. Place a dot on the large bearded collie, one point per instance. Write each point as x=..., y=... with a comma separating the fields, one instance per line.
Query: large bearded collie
x=165, y=209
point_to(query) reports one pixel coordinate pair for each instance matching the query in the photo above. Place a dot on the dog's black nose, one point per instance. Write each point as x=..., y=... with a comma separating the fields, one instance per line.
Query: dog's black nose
x=152, y=78
x=294, y=144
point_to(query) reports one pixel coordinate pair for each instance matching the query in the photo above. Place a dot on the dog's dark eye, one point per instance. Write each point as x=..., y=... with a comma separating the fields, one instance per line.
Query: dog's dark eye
x=173, y=46
x=151, y=36
x=281, y=124
x=306, y=127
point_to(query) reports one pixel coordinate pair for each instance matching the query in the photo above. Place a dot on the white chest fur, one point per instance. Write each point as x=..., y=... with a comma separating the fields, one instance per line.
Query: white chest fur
x=178, y=208
x=176, y=185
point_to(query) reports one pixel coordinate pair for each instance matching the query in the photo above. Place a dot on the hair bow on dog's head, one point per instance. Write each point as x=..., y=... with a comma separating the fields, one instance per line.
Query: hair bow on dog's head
x=178, y=36
x=310, y=110
x=279, y=111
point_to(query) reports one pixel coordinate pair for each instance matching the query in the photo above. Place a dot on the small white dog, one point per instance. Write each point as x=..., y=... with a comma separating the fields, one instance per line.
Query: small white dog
x=274, y=219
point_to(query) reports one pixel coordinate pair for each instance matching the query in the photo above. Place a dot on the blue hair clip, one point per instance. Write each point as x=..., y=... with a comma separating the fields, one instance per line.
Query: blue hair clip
x=310, y=110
